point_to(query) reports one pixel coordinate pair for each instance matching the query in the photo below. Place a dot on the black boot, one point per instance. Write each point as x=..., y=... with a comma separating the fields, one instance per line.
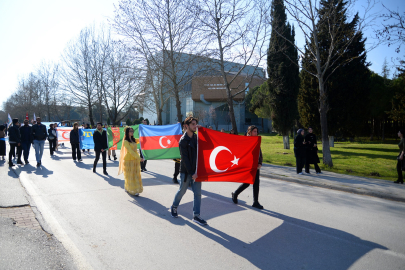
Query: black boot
x=105, y=172
x=94, y=168
x=115, y=157
x=20, y=162
x=109, y=157
x=257, y=205
x=234, y=198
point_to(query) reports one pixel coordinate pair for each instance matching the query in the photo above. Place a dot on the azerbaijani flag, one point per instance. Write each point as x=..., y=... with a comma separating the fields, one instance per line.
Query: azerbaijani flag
x=160, y=142
x=116, y=135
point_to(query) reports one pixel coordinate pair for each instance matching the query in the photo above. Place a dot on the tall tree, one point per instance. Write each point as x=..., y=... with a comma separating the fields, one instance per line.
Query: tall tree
x=237, y=32
x=283, y=72
x=346, y=91
x=314, y=17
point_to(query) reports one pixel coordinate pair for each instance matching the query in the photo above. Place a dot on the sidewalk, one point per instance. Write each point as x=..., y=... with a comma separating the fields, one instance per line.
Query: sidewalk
x=354, y=184
x=24, y=244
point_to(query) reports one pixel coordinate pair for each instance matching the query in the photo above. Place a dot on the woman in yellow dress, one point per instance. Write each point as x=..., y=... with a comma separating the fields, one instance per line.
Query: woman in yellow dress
x=130, y=163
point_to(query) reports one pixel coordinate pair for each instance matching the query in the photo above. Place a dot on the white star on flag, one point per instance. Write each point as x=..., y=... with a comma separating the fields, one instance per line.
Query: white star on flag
x=169, y=142
x=235, y=161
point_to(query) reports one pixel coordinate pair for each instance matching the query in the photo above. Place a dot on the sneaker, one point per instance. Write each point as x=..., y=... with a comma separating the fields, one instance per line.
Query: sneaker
x=199, y=220
x=80, y=160
x=307, y=173
x=142, y=170
x=234, y=198
x=136, y=194
x=319, y=173
x=257, y=205
x=145, y=169
x=174, y=211
x=74, y=160
x=26, y=161
x=20, y=162
x=301, y=173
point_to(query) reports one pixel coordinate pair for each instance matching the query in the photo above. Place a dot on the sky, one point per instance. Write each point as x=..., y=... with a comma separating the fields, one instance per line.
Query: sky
x=36, y=31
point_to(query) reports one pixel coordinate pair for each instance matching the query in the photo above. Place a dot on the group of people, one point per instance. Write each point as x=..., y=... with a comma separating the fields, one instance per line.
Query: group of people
x=306, y=151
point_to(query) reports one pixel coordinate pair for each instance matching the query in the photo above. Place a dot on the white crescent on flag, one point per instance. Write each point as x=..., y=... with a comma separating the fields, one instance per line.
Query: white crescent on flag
x=160, y=142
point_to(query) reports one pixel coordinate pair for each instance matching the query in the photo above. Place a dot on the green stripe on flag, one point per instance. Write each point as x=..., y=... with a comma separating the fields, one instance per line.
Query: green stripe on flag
x=122, y=134
x=168, y=153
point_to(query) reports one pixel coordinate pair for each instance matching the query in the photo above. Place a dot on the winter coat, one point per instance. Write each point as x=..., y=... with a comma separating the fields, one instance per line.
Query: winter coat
x=299, y=147
x=188, y=153
x=39, y=132
x=312, y=152
x=74, y=137
x=14, y=134
x=25, y=132
x=100, y=140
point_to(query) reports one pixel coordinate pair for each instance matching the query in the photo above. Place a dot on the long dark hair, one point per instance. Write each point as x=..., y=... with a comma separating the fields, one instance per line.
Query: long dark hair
x=132, y=139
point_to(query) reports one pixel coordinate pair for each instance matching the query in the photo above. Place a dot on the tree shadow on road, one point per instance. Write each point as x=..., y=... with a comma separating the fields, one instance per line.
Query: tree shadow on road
x=295, y=244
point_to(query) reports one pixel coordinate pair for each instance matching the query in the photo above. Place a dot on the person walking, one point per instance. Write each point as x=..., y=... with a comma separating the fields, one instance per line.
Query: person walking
x=129, y=163
x=143, y=163
x=2, y=142
x=14, y=139
x=311, y=152
x=26, y=140
x=400, y=157
x=52, y=139
x=252, y=131
x=100, y=147
x=75, y=143
x=299, y=151
x=188, y=153
x=39, y=136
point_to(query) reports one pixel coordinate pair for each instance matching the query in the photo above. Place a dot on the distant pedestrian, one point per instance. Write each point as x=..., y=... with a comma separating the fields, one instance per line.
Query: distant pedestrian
x=55, y=126
x=222, y=130
x=300, y=151
x=2, y=142
x=15, y=141
x=52, y=139
x=100, y=147
x=129, y=163
x=75, y=142
x=26, y=140
x=232, y=132
x=252, y=131
x=400, y=158
x=311, y=152
x=39, y=136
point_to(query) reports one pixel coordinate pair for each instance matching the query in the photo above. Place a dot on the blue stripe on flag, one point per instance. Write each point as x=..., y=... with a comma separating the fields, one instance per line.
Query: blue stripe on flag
x=165, y=130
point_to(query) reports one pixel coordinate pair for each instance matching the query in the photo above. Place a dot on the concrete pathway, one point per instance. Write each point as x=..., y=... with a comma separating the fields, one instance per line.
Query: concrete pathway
x=348, y=183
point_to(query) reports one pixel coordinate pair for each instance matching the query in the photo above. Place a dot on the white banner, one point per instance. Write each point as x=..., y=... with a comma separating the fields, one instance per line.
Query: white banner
x=63, y=134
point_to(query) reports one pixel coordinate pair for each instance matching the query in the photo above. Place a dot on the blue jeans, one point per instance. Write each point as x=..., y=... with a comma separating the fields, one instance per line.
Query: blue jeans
x=39, y=149
x=196, y=187
x=26, y=149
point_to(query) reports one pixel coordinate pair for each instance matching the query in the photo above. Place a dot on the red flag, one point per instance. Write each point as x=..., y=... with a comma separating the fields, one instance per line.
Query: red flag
x=225, y=157
x=26, y=116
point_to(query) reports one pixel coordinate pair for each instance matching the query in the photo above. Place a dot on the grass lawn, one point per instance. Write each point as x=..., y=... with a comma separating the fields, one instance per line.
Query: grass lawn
x=360, y=158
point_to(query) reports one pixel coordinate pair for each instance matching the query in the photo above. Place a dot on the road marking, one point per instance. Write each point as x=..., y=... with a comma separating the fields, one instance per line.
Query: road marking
x=57, y=230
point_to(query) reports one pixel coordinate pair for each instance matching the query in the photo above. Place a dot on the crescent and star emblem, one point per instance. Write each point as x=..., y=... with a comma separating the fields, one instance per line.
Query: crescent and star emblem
x=161, y=144
x=63, y=135
x=213, y=157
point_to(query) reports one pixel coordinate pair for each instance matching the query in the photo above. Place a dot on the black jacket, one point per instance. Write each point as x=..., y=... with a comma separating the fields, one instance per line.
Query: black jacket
x=50, y=133
x=14, y=134
x=25, y=132
x=39, y=132
x=100, y=141
x=299, y=147
x=312, y=152
x=188, y=153
x=74, y=137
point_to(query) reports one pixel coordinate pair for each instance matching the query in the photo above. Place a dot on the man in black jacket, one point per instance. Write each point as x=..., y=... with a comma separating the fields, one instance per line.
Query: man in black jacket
x=52, y=139
x=39, y=136
x=75, y=142
x=188, y=164
x=312, y=152
x=26, y=140
x=15, y=141
x=100, y=147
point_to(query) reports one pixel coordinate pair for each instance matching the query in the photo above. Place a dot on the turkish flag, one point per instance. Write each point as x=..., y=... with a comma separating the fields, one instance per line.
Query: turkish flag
x=26, y=116
x=226, y=157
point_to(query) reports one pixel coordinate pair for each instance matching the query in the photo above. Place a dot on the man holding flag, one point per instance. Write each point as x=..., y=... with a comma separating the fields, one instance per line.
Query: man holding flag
x=188, y=165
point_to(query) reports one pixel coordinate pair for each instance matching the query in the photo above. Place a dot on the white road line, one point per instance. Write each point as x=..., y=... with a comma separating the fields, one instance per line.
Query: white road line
x=57, y=230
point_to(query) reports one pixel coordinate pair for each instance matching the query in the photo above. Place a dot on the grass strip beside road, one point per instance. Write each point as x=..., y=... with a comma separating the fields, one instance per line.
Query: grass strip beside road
x=359, y=158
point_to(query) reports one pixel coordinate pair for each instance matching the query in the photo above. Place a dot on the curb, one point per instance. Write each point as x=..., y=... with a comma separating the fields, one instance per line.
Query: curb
x=336, y=187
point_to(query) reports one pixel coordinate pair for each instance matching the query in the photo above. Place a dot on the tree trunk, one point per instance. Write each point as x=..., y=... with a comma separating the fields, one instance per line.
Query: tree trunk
x=231, y=112
x=323, y=109
x=383, y=130
x=91, y=115
x=286, y=142
x=372, y=130
x=178, y=105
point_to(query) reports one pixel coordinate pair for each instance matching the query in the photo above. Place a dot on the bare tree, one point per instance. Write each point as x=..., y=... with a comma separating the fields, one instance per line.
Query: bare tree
x=47, y=75
x=77, y=74
x=307, y=14
x=161, y=33
x=392, y=31
x=237, y=32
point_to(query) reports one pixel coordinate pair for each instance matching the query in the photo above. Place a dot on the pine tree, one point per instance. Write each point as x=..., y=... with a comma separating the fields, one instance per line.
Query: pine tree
x=347, y=88
x=283, y=72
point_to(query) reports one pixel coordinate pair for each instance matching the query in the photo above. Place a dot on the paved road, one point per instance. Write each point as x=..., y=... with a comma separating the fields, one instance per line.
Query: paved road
x=302, y=227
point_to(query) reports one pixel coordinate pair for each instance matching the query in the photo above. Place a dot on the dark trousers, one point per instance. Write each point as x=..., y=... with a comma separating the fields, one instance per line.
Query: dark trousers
x=399, y=171
x=52, y=145
x=256, y=185
x=143, y=165
x=104, y=154
x=76, y=151
x=176, y=170
x=26, y=149
x=317, y=169
x=13, y=146
x=300, y=161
